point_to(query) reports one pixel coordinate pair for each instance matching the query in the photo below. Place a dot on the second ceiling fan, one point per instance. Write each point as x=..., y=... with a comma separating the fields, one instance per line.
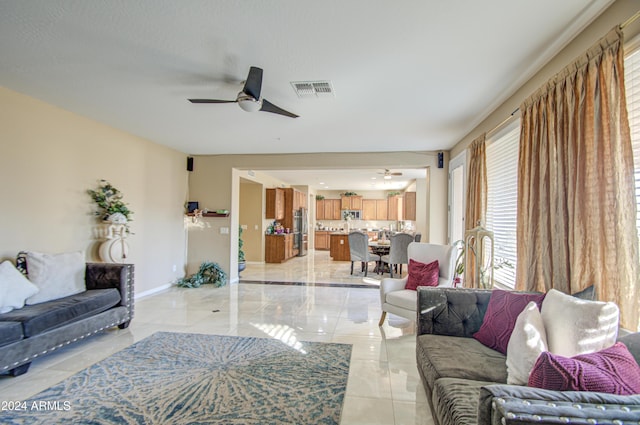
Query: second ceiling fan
x=249, y=98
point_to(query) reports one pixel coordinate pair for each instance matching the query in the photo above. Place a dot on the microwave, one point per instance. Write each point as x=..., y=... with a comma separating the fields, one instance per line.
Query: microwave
x=352, y=214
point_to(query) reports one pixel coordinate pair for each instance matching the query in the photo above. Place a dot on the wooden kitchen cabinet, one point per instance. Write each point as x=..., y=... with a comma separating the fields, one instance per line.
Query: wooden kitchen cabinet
x=382, y=209
x=369, y=210
x=409, y=206
x=321, y=240
x=351, y=202
x=278, y=248
x=394, y=205
x=320, y=209
x=274, y=204
x=339, y=247
x=332, y=209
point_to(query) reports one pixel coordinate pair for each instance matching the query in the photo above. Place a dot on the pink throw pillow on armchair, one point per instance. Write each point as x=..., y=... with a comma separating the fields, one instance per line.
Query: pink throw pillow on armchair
x=421, y=274
x=612, y=370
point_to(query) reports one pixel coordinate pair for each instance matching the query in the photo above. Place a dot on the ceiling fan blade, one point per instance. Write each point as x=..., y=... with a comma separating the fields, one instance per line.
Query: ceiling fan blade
x=253, y=85
x=211, y=101
x=396, y=174
x=270, y=107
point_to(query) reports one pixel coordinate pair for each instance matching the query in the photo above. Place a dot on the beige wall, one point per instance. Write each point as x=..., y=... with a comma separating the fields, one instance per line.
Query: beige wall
x=50, y=157
x=251, y=216
x=616, y=14
x=215, y=183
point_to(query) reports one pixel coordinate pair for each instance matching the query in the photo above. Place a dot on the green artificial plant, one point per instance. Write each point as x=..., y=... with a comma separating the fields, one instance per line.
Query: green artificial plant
x=209, y=273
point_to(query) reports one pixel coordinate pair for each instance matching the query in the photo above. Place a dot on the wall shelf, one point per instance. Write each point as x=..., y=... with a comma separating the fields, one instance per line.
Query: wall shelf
x=209, y=214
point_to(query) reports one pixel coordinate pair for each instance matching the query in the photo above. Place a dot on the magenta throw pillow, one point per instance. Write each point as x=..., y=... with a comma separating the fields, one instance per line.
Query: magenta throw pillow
x=500, y=318
x=612, y=370
x=421, y=274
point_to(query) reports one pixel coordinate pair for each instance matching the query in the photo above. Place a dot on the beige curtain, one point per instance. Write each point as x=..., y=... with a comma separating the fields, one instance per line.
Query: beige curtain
x=576, y=199
x=476, y=206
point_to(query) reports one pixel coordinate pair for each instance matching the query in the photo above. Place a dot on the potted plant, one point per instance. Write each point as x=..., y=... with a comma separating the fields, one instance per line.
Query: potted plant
x=209, y=272
x=242, y=263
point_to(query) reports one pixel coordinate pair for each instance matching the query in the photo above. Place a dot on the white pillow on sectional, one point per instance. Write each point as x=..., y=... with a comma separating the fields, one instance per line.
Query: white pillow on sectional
x=576, y=326
x=14, y=288
x=56, y=275
x=527, y=342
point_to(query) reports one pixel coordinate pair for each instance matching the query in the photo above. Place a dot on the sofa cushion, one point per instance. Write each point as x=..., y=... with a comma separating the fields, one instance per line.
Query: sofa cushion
x=405, y=298
x=587, y=326
x=14, y=288
x=42, y=317
x=612, y=370
x=455, y=401
x=527, y=342
x=56, y=275
x=441, y=356
x=10, y=332
x=500, y=318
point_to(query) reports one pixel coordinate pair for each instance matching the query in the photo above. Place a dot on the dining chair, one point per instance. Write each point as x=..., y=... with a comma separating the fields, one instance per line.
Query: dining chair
x=359, y=250
x=417, y=237
x=397, y=251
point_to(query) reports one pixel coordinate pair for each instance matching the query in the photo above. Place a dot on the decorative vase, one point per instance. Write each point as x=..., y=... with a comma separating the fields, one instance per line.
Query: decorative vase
x=241, y=266
x=117, y=218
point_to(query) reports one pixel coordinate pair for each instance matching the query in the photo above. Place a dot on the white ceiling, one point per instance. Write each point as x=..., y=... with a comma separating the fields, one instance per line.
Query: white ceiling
x=408, y=75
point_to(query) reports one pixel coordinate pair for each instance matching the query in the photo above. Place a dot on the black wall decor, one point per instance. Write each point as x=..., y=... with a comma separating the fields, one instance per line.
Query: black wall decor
x=189, y=163
x=440, y=160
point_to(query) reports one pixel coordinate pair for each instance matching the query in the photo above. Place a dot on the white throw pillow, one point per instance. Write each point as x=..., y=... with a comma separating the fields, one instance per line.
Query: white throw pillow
x=56, y=275
x=528, y=340
x=14, y=288
x=576, y=326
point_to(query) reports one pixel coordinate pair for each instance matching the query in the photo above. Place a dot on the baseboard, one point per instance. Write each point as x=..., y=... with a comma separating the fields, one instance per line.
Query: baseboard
x=152, y=291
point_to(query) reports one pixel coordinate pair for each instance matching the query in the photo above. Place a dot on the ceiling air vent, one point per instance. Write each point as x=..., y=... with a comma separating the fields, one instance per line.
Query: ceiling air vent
x=313, y=88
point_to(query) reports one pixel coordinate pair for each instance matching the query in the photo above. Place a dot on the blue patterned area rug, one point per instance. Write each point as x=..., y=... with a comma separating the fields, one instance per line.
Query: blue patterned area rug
x=177, y=378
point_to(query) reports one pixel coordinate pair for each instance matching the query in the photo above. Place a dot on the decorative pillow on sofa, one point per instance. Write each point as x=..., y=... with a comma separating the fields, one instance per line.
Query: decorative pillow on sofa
x=612, y=370
x=528, y=340
x=575, y=326
x=502, y=311
x=14, y=288
x=56, y=275
x=421, y=274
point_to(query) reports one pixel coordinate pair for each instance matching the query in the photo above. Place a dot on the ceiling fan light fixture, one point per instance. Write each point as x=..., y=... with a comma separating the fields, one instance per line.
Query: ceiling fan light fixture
x=248, y=103
x=387, y=177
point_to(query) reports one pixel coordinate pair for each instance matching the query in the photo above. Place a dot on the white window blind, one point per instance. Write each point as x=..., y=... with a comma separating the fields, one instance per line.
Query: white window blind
x=502, y=191
x=632, y=84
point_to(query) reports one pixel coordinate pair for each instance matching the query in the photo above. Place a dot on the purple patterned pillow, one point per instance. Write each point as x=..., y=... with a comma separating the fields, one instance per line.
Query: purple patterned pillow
x=500, y=318
x=612, y=370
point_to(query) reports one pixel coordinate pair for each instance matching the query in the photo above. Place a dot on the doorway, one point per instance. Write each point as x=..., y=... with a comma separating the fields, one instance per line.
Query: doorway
x=457, y=185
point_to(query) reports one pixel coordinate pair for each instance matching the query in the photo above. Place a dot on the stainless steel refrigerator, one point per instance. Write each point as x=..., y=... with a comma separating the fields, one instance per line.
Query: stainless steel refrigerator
x=300, y=229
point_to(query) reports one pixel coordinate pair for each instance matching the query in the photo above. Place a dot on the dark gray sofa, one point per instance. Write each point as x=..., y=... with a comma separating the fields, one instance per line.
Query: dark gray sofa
x=465, y=381
x=35, y=330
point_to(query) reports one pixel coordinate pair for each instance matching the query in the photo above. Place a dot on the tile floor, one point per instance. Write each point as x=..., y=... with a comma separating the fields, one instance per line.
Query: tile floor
x=383, y=387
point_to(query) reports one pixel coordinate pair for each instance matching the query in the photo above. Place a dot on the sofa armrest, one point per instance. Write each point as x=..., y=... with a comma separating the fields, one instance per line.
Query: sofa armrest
x=109, y=275
x=515, y=404
x=451, y=311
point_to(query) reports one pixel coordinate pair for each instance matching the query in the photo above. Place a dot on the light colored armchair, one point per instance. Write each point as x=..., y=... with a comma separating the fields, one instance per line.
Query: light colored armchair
x=403, y=302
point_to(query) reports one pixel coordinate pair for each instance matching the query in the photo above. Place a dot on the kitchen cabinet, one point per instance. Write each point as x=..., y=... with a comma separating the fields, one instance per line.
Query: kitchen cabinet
x=274, y=204
x=409, y=206
x=321, y=240
x=381, y=209
x=369, y=210
x=351, y=202
x=332, y=209
x=339, y=247
x=394, y=205
x=278, y=248
x=320, y=209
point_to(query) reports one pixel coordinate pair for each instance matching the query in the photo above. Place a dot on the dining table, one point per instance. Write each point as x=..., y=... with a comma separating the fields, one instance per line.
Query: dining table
x=380, y=248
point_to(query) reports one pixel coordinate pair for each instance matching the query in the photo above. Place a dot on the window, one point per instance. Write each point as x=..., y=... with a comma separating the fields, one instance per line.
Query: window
x=502, y=191
x=632, y=85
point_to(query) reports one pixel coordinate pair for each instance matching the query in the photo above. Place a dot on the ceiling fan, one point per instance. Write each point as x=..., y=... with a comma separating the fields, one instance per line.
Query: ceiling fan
x=387, y=174
x=249, y=98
